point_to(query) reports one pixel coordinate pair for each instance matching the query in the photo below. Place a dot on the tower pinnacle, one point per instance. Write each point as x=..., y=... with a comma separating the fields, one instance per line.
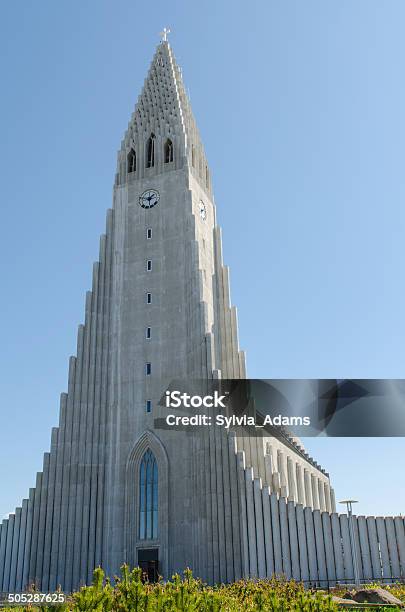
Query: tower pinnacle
x=164, y=34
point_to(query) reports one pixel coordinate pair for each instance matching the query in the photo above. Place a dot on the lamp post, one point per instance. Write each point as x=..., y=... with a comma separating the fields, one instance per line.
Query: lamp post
x=349, y=503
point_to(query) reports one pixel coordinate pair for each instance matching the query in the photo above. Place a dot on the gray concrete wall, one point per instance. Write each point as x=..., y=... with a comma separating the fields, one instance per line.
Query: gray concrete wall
x=314, y=546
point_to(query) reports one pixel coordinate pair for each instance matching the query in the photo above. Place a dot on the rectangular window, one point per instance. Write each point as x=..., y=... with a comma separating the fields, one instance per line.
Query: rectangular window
x=148, y=405
x=149, y=233
x=149, y=265
x=148, y=333
x=149, y=298
x=148, y=369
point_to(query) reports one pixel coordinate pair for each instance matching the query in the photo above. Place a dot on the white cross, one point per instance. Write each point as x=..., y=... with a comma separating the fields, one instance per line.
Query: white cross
x=164, y=34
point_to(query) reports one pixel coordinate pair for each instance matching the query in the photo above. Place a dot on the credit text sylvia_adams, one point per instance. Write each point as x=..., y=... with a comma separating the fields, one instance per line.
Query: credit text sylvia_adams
x=176, y=399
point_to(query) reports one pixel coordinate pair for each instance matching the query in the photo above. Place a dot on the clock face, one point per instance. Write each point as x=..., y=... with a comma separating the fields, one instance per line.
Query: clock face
x=203, y=210
x=149, y=198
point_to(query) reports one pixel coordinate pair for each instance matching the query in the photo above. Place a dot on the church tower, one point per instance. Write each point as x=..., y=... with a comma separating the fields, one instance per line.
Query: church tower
x=114, y=488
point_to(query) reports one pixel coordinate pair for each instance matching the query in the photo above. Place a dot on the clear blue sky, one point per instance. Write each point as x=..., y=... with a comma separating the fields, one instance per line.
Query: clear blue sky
x=301, y=109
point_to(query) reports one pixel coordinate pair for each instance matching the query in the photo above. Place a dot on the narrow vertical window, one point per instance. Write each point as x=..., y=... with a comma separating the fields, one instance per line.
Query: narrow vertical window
x=150, y=151
x=148, y=497
x=149, y=265
x=148, y=405
x=149, y=298
x=148, y=333
x=131, y=161
x=207, y=177
x=149, y=233
x=168, y=151
x=193, y=155
x=148, y=369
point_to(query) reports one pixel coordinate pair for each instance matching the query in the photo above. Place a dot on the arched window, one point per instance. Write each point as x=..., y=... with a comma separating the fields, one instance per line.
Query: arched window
x=168, y=152
x=131, y=161
x=150, y=151
x=148, y=497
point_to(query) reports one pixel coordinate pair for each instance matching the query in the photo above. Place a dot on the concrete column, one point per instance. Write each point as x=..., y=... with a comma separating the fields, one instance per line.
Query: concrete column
x=328, y=505
x=308, y=488
x=320, y=549
x=268, y=467
x=374, y=549
x=311, y=547
x=3, y=543
x=302, y=544
x=294, y=551
x=392, y=547
x=332, y=499
x=74, y=476
x=285, y=540
x=357, y=541
x=49, y=518
x=83, y=401
x=261, y=466
x=235, y=341
x=364, y=548
x=253, y=571
x=221, y=299
x=226, y=488
x=322, y=505
x=337, y=547
x=400, y=538
x=95, y=459
x=14, y=553
x=207, y=527
x=300, y=484
x=106, y=254
x=60, y=551
x=282, y=468
x=315, y=492
x=347, y=549
x=21, y=546
x=268, y=534
x=214, y=506
x=292, y=481
x=41, y=521
x=224, y=309
x=57, y=502
x=329, y=554
x=235, y=506
x=276, y=483
x=9, y=549
x=219, y=502
x=261, y=557
x=243, y=514
x=275, y=527
x=28, y=538
x=90, y=472
x=35, y=529
x=382, y=539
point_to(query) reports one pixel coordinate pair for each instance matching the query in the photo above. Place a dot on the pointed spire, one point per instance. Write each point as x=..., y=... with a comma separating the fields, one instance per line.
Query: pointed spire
x=163, y=109
x=164, y=34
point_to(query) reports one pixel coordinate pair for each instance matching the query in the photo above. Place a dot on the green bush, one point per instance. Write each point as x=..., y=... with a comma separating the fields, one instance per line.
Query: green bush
x=187, y=594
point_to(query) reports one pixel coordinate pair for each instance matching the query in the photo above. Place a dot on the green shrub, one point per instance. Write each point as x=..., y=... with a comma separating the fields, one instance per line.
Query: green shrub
x=187, y=594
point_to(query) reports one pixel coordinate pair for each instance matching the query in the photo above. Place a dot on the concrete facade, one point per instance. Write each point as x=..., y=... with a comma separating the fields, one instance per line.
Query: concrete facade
x=159, y=310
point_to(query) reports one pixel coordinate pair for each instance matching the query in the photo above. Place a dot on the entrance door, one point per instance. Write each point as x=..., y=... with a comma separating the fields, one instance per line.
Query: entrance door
x=148, y=561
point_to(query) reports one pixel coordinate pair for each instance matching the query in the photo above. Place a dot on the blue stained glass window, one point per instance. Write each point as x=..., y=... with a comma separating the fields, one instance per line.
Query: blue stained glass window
x=148, y=497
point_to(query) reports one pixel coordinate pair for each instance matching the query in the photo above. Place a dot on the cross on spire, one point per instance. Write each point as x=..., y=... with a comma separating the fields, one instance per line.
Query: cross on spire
x=164, y=34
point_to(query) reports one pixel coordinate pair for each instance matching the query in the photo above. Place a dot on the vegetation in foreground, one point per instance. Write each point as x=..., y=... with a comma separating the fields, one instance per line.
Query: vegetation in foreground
x=186, y=594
